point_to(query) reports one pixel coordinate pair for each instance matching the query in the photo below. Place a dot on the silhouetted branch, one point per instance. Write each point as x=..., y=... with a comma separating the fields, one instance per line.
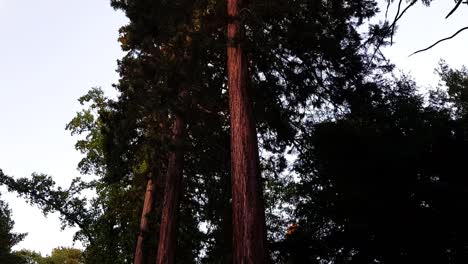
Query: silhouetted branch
x=455, y=8
x=394, y=21
x=386, y=10
x=390, y=29
x=398, y=16
x=444, y=39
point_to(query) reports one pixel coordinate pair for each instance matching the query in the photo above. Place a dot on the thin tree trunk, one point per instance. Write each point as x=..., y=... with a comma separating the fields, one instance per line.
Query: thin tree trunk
x=172, y=194
x=249, y=232
x=141, y=257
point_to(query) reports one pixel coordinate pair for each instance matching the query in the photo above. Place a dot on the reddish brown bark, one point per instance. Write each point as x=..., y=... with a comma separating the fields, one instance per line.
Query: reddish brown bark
x=141, y=257
x=172, y=194
x=249, y=233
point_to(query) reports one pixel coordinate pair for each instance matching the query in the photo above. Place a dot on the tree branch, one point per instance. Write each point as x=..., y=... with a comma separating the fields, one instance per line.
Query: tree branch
x=444, y=39
x=455, y=8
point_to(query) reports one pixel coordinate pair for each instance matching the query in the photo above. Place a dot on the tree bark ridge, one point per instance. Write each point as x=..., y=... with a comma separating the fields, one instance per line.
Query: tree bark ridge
x=249, y=232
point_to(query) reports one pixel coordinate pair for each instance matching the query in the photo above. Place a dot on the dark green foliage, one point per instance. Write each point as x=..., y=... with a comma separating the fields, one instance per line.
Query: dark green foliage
x=115, y=208
x=89, y=123
x=7, y=237
x=41, y=191
x=294, y=65
x=457, y=92
x=384, y=183
x=61, y=255
x=30, y=257
x=298, y=61
x=64, y=255
x=358, y=167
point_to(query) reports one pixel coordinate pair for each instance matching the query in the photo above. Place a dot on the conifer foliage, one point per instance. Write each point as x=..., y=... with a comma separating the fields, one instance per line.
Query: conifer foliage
x=262, y=132
x=8, y=238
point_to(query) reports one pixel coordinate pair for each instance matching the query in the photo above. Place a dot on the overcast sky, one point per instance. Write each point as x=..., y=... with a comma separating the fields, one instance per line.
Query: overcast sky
x=54, y=51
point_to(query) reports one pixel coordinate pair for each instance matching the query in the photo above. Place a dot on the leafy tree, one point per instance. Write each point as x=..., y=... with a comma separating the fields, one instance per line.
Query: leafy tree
x=303, y=58
x=7, y=237
x=277, y=97
x=30, y=257
x=456, y=81
x=61, y=255
x=64, y=255
x=382, y=183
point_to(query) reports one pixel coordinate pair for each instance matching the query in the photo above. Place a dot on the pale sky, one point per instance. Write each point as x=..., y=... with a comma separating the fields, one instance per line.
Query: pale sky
x=419, y=28
x=54, y=51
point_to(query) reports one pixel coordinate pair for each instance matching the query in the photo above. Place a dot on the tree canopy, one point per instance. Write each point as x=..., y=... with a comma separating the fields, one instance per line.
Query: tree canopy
x=8, y=238
x=353, y=163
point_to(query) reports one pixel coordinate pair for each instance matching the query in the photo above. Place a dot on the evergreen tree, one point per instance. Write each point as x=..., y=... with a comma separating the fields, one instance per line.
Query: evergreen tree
x=299, y=59
x=8, y=238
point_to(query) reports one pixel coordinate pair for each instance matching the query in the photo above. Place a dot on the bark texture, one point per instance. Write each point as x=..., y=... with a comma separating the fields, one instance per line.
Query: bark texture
x=172, y=194
x=249, y=232
x=141, y=257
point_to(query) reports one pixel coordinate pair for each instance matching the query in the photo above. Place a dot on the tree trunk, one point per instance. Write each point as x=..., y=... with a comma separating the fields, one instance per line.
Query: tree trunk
x=249, y=232
x=141, y=257
x=172, y=194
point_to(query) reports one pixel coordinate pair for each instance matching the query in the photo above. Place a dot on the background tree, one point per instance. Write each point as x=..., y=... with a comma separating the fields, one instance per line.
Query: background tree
x=61, y=255
x=64, y=255
x=357, y=166
x=30, y=257
x=382, y=184
x=8, y=238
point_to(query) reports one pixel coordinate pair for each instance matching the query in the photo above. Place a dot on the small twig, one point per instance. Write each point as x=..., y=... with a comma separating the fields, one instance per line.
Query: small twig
x=394, y=21
x=455, y=8
x=406, y=9
x=391, y=28
x=386, y=10
x=444, y=39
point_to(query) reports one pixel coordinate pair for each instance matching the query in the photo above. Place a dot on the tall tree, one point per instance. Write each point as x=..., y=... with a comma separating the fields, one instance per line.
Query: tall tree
x=169, y=50
x=140, y=255
x=249, y=229
x=293, y=58
x=172, y=191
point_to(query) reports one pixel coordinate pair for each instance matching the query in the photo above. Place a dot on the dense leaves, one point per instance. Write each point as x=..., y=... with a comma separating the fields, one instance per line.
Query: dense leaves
x=384, y=183
x=60, y=255
x=358, y=167
x=8, y=238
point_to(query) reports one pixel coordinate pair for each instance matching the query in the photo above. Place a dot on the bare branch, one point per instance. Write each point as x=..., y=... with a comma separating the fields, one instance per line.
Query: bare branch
x=455, y=8
x=395, y=20
x=406, y=9
x=444, y=39
x=390, y=29
x=386, y=10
